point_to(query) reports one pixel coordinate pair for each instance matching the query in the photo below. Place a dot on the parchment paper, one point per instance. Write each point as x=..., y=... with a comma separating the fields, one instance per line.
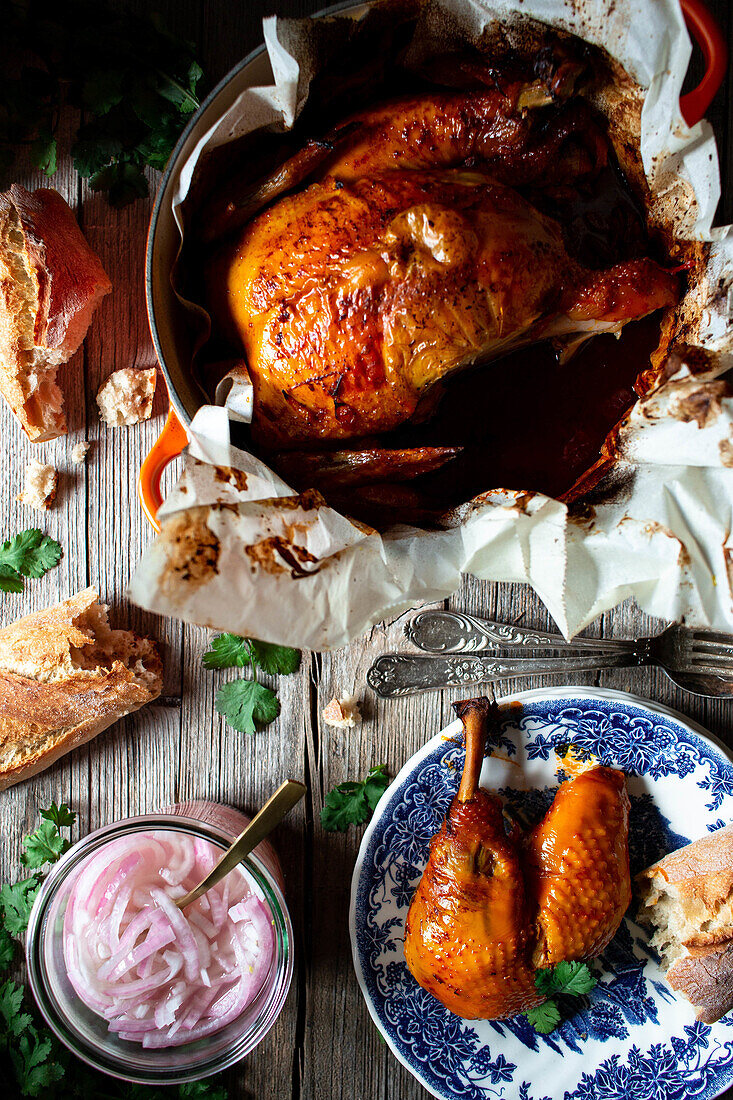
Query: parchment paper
x=240, y=551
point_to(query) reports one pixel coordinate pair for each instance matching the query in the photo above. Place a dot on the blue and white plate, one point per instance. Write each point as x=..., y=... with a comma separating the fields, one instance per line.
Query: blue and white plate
x=631, y=1038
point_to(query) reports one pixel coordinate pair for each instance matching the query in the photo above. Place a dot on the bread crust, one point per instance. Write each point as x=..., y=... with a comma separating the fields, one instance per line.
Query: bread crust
x=50, y=284
x=695, y=883
x=65, y=676
x=702, y=875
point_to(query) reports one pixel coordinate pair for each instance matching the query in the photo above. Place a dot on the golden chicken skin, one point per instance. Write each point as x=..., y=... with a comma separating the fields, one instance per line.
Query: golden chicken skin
x=493, y=907
x=578, y=867
x=352, y=300
x=467, y=931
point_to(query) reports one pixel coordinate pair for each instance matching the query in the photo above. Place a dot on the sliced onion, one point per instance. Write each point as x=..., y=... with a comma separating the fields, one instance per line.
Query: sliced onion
x=159, y=975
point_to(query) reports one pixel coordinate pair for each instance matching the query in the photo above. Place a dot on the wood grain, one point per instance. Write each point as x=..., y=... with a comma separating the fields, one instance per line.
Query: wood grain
x=324, y=1046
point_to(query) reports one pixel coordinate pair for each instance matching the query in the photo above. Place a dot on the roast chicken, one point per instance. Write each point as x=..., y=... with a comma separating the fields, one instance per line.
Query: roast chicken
x=412, y=255
x=494, y=905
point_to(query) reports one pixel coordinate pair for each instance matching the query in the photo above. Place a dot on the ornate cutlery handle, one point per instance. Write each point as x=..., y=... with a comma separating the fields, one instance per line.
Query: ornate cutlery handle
x=454, y=632
x=397, y=674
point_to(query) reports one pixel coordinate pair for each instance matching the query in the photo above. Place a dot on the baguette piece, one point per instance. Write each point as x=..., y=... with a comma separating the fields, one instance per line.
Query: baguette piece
x=50, y=285
x=66, y=675
x=688, y=898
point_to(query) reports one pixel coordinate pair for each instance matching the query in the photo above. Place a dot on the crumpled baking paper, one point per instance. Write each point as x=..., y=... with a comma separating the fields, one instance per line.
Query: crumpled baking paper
x=241, y=551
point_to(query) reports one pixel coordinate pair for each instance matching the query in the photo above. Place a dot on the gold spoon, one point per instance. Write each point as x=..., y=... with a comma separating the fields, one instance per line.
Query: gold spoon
x=277, y=806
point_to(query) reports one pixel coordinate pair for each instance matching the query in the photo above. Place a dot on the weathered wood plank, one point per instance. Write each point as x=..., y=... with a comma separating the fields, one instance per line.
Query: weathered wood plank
x=324, y=1046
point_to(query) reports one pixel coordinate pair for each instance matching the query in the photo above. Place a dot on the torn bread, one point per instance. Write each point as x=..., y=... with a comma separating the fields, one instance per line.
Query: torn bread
x=66, y=675
x=50, y=285
x=127, y=396
x=39, y=485
x=688, y=898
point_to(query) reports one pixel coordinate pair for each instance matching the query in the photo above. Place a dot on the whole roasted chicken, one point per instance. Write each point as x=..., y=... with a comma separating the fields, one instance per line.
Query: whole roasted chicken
x=493, y=906
x=412, y=255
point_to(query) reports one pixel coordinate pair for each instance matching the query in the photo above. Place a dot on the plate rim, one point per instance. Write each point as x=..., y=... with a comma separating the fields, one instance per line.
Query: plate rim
x=581, y=691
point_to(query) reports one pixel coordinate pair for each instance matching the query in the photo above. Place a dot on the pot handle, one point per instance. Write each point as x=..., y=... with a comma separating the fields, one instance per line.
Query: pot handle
x=706, y=32
x=167, y=446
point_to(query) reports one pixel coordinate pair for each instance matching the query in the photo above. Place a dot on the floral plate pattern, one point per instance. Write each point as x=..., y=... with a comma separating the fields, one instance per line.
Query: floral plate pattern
x=630, y=1038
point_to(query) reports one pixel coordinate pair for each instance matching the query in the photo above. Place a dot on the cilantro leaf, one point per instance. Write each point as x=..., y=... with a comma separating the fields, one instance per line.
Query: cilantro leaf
x=30, y=552
x=62, y=816
x=45, y=845
x=30, y=1056
x=231, y=651
x=245, y=702
x=10, y=579
x=227, y=651
x=353, y=803
x=275, y=659
x=375, y=785
x=44, y=152
x=543, y=980
x=201, y=1090
x=573, y=978
x=11, y=999
x=16, y=903
x=102, y=90
x=544, y=1018
x=7, y=948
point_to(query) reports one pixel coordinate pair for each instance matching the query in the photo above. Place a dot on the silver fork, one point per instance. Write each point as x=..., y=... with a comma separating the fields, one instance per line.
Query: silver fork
x=696, y=661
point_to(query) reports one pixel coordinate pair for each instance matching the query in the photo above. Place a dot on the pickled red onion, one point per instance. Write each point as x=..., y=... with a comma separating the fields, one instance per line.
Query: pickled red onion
x=159, y=975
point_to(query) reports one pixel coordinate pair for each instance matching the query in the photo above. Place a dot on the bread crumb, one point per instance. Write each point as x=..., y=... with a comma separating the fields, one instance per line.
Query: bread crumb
x=341, y=713
x=79, y=452
x=127, y=396
x=39, y=489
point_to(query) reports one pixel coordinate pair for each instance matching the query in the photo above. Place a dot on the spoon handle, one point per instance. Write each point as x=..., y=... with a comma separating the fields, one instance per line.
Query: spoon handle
x=277, y=806
x=396, y=674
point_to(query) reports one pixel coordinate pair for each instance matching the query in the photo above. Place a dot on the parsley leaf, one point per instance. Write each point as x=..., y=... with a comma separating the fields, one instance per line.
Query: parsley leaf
x=45, y=845
x=30, y=553
x=354, y=803
x=544, y=1018
x=231, y=651
x=16, y=903
x=245, y=702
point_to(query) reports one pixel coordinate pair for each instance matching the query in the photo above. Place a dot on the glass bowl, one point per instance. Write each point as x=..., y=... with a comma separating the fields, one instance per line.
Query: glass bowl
x=83, y=1031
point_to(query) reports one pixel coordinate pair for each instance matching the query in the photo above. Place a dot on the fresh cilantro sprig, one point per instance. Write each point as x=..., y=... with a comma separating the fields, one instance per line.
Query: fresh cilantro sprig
x=231, y=651
x=247, y=704
x=28, y=1051
x=568, y=979
x=354, y=803
x=132, y=84
x=28, y=554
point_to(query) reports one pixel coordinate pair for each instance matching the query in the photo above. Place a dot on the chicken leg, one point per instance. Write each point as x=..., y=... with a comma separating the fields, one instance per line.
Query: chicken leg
x=467, y=931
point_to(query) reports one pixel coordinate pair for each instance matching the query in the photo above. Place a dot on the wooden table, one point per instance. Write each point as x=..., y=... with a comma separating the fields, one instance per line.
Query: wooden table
x=324, y=1046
